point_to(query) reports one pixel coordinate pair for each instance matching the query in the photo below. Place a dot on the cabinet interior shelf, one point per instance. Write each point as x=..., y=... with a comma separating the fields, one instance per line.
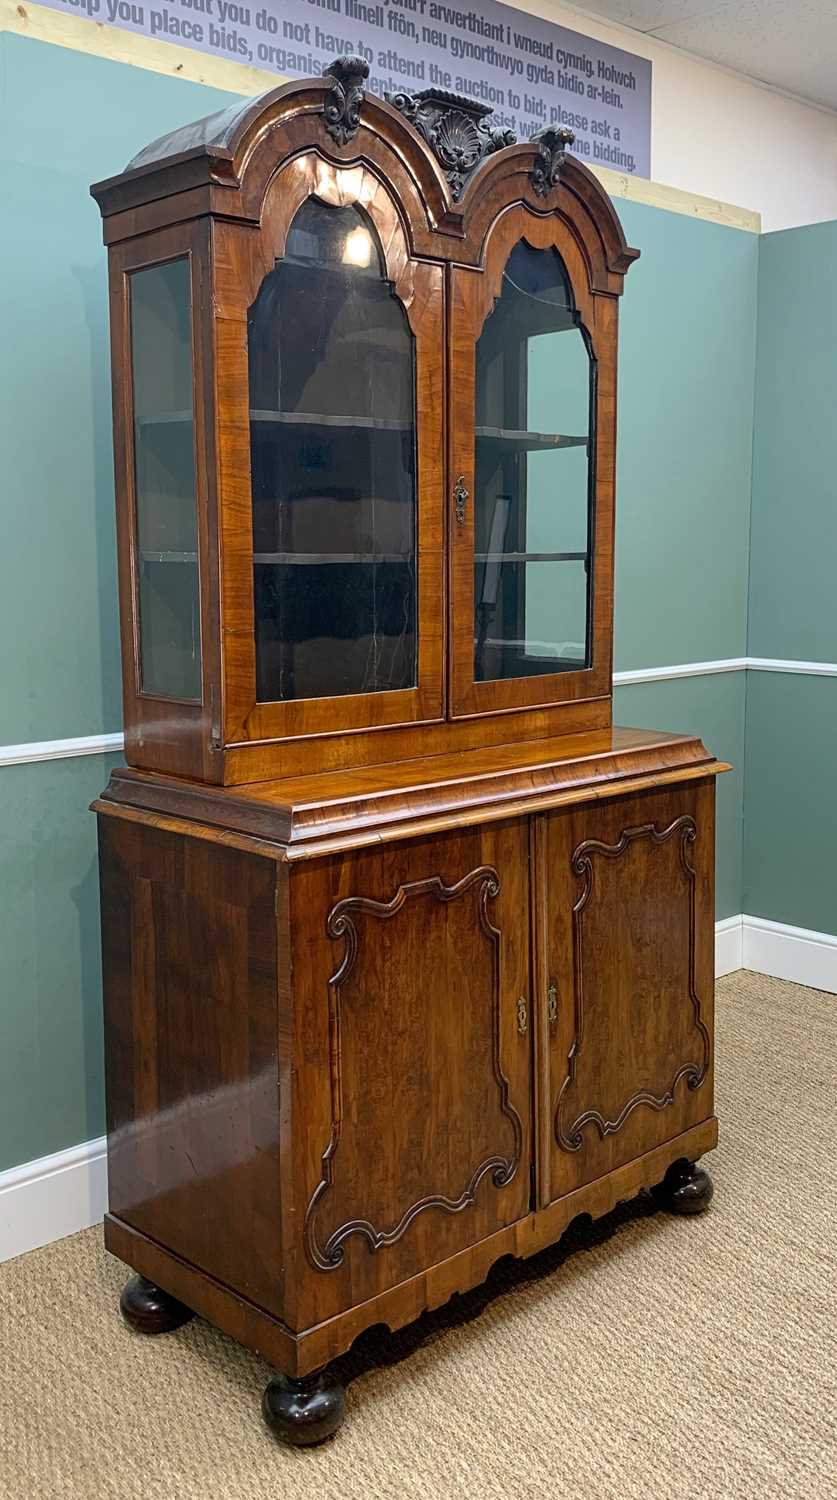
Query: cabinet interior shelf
x=524, y=557
x=317, y=559
x=324, y=419
x=164, y=419
x=321, y=559
x=513, y=438
x=528, y=442
x=147, y=556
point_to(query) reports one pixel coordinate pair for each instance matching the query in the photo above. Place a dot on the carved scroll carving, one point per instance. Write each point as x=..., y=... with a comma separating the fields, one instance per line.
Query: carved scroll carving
x=456, y=130
x=552, y=153
x=346, y=95
x=569, y=1135
x=341, y=923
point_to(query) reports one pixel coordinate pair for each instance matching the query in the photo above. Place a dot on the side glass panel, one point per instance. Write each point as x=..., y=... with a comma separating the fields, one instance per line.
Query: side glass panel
x=333, y=464
x=534, y=441
x=164, y=476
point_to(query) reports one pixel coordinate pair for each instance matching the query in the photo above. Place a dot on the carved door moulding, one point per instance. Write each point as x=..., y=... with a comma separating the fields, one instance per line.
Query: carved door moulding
x=341, y=924
x=570, y=1136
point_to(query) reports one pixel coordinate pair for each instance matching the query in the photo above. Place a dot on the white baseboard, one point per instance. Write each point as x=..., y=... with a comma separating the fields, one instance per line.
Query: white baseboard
x=58, y=1195
x=775, y=948
x=54, y=1196
x=728, y=945
x=794, y=953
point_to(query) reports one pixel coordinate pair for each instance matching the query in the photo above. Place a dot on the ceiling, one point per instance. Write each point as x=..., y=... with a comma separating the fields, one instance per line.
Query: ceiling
x=791, y=44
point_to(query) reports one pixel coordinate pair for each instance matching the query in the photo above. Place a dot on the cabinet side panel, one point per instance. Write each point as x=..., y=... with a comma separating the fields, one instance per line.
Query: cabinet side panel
x=631, y=957
x=164, y=733
x=413, y=1045
x=189, y=962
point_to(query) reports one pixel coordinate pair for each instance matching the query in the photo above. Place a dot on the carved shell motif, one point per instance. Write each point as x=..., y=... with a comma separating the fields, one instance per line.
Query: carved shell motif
x=458, y=147
x=455, y=129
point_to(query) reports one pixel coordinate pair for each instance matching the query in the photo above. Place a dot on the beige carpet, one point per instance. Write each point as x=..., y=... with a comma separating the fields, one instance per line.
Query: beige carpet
x=664, y=1358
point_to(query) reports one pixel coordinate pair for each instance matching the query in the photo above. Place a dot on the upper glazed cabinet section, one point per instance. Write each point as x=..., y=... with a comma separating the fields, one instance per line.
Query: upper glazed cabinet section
x=364, y=361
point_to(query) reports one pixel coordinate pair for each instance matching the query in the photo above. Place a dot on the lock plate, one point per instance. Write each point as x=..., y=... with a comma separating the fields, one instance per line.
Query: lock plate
x=460, y=496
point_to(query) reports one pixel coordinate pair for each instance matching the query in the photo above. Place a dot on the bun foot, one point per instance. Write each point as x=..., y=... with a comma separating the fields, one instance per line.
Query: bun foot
x=306, y=1411
x=149, y=1309
x=685, y=1189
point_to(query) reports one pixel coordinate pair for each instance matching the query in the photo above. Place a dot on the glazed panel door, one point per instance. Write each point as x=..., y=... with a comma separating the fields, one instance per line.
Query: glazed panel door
x=412, y=1039
x=329, y=352
x=629, y=979
x=530, y=478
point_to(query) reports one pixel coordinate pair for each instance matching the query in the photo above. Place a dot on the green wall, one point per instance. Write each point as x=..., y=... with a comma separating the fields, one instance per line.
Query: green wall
x=686, y=372
x=66, y=120
x=791, y=807
x=51, y=1092
x=712, y=707
x=686, y=386
x=686, y=379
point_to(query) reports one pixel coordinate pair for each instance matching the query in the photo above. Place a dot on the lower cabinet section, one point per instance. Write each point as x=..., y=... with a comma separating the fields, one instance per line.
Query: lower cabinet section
x=336, y=1083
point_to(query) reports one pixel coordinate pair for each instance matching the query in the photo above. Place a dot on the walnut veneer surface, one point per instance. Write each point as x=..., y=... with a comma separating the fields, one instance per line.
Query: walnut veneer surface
x=227, y=204
x=304, y=812
x=397, y=982
x=323, y=1073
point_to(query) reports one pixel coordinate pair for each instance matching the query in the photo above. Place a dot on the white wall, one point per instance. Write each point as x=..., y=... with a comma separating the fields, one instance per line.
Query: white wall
x=716, y=133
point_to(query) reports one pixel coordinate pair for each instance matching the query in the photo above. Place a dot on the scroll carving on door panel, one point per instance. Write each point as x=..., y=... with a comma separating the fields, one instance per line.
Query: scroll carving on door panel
x=661, y=999
x=387, y=1061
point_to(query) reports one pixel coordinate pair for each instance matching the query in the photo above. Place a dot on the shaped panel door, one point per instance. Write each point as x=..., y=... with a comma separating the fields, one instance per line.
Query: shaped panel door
x=413, y=1058
x=629, y=974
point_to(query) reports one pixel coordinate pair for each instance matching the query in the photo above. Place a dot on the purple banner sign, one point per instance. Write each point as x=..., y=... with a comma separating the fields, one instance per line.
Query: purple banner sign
x=532, y=72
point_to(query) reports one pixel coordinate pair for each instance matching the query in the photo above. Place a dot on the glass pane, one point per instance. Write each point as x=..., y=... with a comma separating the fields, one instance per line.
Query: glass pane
x=164, y=457
x=533, y=482
x=332, y=448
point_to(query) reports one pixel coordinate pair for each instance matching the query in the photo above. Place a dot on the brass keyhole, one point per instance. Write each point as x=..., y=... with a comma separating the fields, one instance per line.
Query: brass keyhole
x=552, y=1004
x=522, y=1015
x=460, y=495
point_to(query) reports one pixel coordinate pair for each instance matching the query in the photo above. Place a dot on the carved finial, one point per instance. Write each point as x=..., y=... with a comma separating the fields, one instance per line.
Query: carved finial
x=455, y=129
x=551, y=156
x=342, y=105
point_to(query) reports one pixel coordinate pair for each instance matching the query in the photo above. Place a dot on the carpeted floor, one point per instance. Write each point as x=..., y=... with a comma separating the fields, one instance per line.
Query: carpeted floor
x=657, y=1357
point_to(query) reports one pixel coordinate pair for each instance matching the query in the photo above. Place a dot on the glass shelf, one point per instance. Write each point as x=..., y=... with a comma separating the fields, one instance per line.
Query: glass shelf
x=323, y=419
x=164, y=418
x=528, y=661
x=322, y=559
x=525, y=557
x=316, y=419
x=513, y=439
x=147, y=556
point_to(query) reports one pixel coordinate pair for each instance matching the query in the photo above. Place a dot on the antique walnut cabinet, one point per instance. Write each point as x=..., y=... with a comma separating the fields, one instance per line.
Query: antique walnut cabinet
x=408, y=953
